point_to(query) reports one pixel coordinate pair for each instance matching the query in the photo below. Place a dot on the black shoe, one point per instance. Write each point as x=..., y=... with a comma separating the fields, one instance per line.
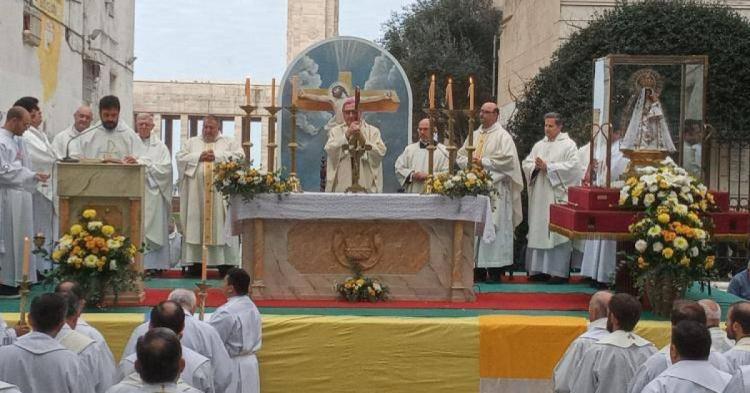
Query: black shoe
x=8, y=292
x=539, y=277
x=480, y=274
x=557, y=280
x=495, y=274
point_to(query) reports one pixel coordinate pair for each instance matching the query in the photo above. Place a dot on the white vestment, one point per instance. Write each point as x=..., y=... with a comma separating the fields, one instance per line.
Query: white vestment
x=17, y=182
x=584, y=158
x=95, y=363
x=203, y=339
x=566, y=368
x=647, y=129
x=101, y=143
x=689, y=376
x=42, y=157
x=8, y=388
x=739, y=355
x=89, y=331
x=719, y=340
x=197, y=371
x=497, y=151
x=175, y=248
x=600, y=256
x=7, y=334
x=661, y=360
x=61, y=139
x=740, y=382
x=158, y=197
x=239, y=325
x=38, y=363
x=416, y=159
x=223, y=250
x=339, y=163
x=134, y=384
x=692, y=160
x=608, y=365
x=547, y=251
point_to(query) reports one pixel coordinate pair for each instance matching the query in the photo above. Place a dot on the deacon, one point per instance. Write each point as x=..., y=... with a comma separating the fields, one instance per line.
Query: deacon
x=198, y=336
x=691, y=372
x=239, y=325
x=97, y=367
x=197, y=372
x=42, y=157
x=738, y=329
x=682, y=310
x=412, y=166
x=719, y=341
x=550, y=168
x=340, y=166
x=193, y=160
x=597, y=329
x=158, y=365
x=36, y=362
x=158, y=162
x=17, y=181
x=81, y=325
x=609, y=364
x=496, y=153
x=112, y=140
x=740, y=382
x=600, y=256
x=81, y=121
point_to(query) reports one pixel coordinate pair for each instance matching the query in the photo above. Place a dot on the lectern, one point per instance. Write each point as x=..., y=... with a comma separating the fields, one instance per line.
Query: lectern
x=115, y=191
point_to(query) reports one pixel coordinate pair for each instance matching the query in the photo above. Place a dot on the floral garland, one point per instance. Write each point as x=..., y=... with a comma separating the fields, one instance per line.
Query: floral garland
x=235, y=177
x=471, y=181
x=358, y=288
x=96, y=256
x=673, y=237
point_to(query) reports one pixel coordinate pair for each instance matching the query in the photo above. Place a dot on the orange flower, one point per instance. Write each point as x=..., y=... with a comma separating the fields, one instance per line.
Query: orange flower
x=668, y=235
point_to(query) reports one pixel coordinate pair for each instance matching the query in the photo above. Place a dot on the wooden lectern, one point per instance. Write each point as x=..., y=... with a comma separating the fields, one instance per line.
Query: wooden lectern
x=115, y=191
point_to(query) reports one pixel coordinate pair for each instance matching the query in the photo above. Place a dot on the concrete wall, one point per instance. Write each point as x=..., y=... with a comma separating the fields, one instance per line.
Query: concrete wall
x=53, y=70
x=310, y=21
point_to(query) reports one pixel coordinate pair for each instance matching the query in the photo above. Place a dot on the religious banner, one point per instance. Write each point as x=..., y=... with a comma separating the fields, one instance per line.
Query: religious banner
x=328, y=73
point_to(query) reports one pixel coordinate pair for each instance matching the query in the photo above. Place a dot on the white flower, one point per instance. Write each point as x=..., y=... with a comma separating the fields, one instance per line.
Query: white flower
x=226, y=182
x=681, y=209
x=653, y=188
x=658, y=247
x=376, y=286
x=113, y=244
x=635, y=200
x=113, y=264
x=448, y=184
x=242, y=180
x=685, y=189
x=694, y=252
x=73, y=259
x=641, y=245
x=661, y=194
x=649, y=199
x=654, y=231
x=471, y=176
x=94, y=225
x=456, y=178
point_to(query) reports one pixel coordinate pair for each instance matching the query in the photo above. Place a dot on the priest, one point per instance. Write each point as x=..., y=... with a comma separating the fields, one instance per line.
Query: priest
x=566, y=368
x=609, y=364
x=342, y=162
x=738, y=328
x=158, y=192
x=17, y=181
x=550, y=168
x=194, y=161
x=42, y=157
x=740, y=382
x=719, y=341
x=496, y=153
x=412, y=166
x=81, y=122
x=112, y=140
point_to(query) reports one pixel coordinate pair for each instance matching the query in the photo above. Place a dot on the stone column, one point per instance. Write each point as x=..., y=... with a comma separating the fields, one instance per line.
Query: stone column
x=157, y=126
x=309, y=21
x=184, y=126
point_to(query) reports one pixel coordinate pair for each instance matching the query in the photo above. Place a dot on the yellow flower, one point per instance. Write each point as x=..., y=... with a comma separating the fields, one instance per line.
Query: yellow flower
x=56, y=255
x=371, y=291
x=710, y=262
x=685, y=261
x=76, y=229
x=631, y=181
x=663, y=218
x=654, y=231
x=667, y=252
x=108, y=230
x=642, y=264
x=360, y=282
x=89, y=214
x=663, y=184
x=680, y=243
x=91, y=261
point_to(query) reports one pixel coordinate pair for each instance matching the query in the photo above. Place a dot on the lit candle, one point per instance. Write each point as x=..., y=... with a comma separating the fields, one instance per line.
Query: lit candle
x=471, y=93
x=247, y=91
x=294, y=90
x=204, y=265
x=273, y=91
x=26, y=257
x=449, y=93
x=432, y=92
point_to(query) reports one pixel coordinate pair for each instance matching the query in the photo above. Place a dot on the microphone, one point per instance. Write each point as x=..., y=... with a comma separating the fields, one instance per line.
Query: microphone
x=67, y=157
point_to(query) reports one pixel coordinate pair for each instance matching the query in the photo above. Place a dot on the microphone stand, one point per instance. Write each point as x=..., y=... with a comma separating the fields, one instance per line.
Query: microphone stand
x=67, y=157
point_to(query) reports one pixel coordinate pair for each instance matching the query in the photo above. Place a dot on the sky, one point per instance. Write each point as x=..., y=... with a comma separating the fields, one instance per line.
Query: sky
x=227, y=40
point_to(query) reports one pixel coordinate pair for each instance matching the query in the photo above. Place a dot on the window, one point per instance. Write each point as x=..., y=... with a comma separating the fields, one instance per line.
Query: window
x=32, y=27
x=109, y=6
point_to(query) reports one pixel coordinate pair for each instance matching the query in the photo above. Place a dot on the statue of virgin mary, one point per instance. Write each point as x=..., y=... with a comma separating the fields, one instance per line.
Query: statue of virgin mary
x=647, y=128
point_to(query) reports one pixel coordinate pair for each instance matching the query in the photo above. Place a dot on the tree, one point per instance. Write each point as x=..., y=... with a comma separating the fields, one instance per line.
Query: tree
x=445, y=37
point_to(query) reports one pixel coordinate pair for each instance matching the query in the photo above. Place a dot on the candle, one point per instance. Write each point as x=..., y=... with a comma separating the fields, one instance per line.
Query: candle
x=294, y=90
x=273, y=91
x=247, y=91
x=432, y=92
x=449, y=93
x=204, y=265
x=26, y=257
x=471, y=93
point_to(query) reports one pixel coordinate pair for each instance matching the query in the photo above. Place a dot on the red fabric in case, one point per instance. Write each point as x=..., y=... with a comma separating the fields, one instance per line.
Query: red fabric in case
x=594, y=198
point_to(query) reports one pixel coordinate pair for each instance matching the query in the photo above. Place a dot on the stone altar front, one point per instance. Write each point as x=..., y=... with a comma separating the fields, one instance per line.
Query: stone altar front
x=422, y=247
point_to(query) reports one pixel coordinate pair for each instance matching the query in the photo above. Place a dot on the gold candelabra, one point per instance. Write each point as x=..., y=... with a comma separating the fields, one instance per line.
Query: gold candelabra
x=247, y=143
x=432, y=114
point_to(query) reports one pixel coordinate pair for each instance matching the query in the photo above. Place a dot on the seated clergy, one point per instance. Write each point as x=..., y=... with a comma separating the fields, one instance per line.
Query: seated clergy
x=354, y=138
x=412, y=166
x=691, y=371
x=566, y=367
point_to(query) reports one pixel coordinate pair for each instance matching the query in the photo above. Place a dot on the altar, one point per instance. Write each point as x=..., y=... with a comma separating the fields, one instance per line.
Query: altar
x=298, y=246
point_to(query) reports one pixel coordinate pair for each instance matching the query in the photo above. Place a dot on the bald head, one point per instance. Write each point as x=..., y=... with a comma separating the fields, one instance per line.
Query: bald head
x=184, y=298
x=423, y=129
x=713, y=312
x=488, y=114
x=738, y=320
x=82, y=118
x=17, y=120
x=599, y=305
x=168, y=314
x=687, y=310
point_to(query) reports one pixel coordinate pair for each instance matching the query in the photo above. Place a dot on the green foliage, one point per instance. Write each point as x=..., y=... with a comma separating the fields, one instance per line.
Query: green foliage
x=445, y=37
x=651, y=27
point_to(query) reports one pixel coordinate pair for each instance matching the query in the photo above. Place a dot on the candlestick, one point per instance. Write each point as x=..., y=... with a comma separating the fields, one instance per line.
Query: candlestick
x=204, y=265
x=449, y=93
x=26, y=256
x=471, y=94
x=247, y=91
x=273, y=92
x=294, y=90
x=432, y=92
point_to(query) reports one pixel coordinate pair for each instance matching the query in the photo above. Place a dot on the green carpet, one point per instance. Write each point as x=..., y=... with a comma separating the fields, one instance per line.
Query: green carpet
x=533, y=288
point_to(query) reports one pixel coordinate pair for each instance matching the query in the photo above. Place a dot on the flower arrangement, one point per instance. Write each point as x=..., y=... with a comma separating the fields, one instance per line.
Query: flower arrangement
x=235, y=177
x=359, y=288
x=673, y=245
x=471, y=181
x=96, y=256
